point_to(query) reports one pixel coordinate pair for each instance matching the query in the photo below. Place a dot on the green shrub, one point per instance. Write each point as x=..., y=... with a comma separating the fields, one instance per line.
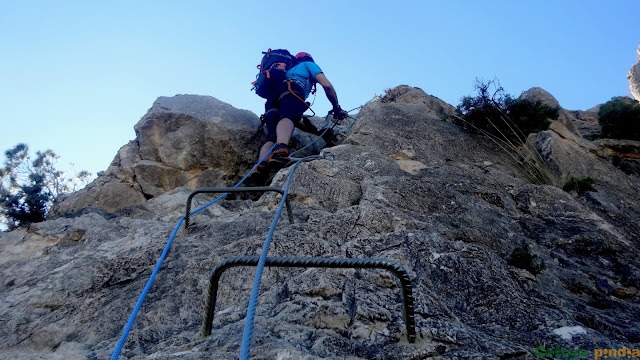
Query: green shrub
x=507, y=122
x=581, y=185
x=523, y=259
x=531, y=116
x=499, y=114
x=620, y=118
x=28, y=205
x=29, y=187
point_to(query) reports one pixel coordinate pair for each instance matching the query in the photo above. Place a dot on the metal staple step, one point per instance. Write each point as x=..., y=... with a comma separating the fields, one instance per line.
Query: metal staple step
x=343, y=263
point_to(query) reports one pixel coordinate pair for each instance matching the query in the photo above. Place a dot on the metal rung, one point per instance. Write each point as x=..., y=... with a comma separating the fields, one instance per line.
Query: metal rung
x=231, y=190
x=397, y=270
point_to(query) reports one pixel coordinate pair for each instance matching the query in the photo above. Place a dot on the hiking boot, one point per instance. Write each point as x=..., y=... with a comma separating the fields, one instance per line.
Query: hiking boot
x=258, y=176
x=279, y=157
x=330, y=138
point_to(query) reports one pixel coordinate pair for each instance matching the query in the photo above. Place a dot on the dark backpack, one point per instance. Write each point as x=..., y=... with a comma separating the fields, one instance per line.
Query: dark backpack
x=272, y=70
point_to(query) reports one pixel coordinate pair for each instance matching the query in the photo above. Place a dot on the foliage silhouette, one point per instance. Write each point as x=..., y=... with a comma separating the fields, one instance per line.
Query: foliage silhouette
x=28, y=187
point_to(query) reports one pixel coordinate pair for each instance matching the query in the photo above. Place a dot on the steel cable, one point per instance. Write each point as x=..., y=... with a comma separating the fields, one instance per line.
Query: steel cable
x=249, y=321
x=134, y=313
x=253, y=299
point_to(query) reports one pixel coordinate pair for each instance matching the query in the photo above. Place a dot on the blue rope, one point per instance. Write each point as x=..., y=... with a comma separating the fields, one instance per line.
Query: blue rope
x=134, y=313
x=324, y=127
x=143, y=295
x=247, y=334
x=238, y=184
x=253, y=299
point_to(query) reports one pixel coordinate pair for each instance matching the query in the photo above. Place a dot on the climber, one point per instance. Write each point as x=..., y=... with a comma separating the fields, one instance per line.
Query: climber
x=284, y=111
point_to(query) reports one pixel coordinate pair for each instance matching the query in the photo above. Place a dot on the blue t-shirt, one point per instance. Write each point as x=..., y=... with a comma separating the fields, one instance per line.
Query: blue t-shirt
x=305, y=73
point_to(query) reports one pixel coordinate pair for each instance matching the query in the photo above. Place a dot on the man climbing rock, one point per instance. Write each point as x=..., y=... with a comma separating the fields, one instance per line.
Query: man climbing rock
x=284, y=110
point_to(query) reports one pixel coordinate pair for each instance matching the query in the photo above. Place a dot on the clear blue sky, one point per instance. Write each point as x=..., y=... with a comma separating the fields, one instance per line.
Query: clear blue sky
x=76, y=76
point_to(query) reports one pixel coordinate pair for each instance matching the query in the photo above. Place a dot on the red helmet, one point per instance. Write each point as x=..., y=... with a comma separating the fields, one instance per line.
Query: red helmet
x=300, y=55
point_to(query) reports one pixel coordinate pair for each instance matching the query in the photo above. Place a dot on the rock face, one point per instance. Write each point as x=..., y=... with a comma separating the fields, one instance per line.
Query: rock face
x=183, y=141
x=499, y=266
x=564, y=116
x=405, y=94
x=587, y=122
x=634, y=78
x=571, y=156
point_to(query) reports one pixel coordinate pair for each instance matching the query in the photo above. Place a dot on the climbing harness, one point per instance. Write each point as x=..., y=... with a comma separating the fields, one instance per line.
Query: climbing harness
x=289, y=91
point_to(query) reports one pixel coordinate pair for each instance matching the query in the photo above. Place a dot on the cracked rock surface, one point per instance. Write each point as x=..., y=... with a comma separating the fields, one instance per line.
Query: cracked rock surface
x=404, y=185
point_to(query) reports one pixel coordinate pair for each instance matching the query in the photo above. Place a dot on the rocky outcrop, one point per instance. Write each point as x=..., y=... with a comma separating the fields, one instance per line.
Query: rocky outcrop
x=405, y=94
x=634, y=78
x=587, y=122
x=570, y=156
x=184, y=140
x=404, y=185
x=564, y=116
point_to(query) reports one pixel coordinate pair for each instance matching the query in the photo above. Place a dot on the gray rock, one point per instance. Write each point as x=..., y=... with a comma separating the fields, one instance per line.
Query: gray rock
x=106, y=192
x=185, y=140
x=536, y=93
x=412, y=95
x=634, y=78
x=565, y=117
x=405, y=186
x=587, y=122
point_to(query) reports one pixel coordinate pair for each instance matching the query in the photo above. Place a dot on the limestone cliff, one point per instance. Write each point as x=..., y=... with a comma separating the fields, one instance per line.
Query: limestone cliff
x=405, y=185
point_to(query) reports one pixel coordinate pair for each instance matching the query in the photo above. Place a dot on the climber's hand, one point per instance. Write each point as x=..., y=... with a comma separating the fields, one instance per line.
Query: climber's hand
x=338, y=113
